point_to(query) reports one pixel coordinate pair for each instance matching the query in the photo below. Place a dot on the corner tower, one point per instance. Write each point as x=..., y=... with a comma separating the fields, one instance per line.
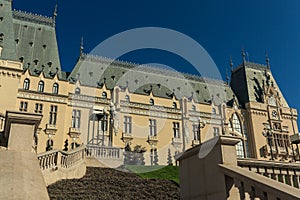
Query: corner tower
x=269, y=119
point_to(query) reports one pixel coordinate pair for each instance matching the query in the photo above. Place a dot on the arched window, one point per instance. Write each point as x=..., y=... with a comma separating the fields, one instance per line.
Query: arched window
x=193, y=108
x=77, y=90
x=272, y=101
x=151, y=102
x=236, y=124
x=213, y=111
x=41, y=86
x=26, y=84
x=55, y=88
x=174, y=105
x=104, y=95
x=237, y=128
x=127, y=98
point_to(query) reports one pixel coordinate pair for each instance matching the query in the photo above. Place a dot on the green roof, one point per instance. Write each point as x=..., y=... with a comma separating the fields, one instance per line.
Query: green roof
x=36, y=44
x=247, y=83
x=94, y=71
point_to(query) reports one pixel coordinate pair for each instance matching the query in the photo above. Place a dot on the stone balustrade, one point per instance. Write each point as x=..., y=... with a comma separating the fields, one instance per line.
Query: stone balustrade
x=104, y=152
x=48, y=159
x=109, y=156
x=57, y=165
x=60, y=159
x=249, y=185
x=288, y=173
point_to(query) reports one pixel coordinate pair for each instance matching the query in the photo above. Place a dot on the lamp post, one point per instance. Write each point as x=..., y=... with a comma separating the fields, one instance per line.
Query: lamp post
x=268, y=134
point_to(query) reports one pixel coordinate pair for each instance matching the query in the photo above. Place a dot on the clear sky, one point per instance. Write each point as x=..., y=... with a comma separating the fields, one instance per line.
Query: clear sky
x=222, y=27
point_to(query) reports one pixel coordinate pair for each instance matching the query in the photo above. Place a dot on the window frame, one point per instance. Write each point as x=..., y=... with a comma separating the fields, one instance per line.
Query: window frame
x=53, y=115
x=55, y=88
x=26, y=84
x=41, y=86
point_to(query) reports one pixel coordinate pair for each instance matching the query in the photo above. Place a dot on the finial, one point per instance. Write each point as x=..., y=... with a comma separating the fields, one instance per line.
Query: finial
x=244, y=56
x=268, y=60
x=227, y=77
x=54, y=15
x=81, y=46
x=231, y=64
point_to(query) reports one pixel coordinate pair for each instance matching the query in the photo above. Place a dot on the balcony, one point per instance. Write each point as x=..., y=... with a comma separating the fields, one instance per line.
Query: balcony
x=177, y=142
x=74, y=132
x=126, y=138
x=50, y=129
x=152, y=140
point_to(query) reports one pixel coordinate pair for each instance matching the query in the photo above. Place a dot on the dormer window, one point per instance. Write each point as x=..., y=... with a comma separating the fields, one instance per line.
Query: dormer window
x=193, y=108
x=26, y=84
x=213, y=111
x=104, y=95
x=41, y=86
x=272, y=101
x=77, y=90
x=151, y=102
x=127, y=98
x=174, y=105
x=55, y=88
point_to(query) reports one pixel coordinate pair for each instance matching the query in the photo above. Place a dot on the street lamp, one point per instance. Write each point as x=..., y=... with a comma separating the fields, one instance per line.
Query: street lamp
x=267, y=133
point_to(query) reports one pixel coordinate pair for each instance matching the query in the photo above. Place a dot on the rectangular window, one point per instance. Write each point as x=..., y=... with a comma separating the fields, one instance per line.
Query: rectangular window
x=103, y=124
x=176, y=130
x=196, y=132
x=53, y=115
x=38, y=108
x=152, y=127
x=277, y=126
x=23, y=106
x=76, y=115
x=127, y=125
x=216, y=131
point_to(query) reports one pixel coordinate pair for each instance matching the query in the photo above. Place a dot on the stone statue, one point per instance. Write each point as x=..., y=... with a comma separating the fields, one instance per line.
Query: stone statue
x=115, y=117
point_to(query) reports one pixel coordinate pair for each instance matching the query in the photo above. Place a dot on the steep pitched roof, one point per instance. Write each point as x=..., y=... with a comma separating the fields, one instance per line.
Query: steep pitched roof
x=36, y=45
x=247, y=83
x=94, y=71
x=6, y=32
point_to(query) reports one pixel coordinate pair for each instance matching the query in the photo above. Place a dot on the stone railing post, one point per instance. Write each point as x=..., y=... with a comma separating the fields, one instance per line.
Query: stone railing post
x=200, y=177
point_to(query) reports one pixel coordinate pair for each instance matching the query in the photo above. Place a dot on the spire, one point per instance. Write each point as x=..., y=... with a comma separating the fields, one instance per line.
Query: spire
x=244, y=56
x=81, y=46
x=54, y=15
x=268, y=60
x=227, y=76
x=231, y=64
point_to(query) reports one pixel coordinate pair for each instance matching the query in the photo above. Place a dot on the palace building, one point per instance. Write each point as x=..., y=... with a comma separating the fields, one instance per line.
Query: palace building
x=108, y=104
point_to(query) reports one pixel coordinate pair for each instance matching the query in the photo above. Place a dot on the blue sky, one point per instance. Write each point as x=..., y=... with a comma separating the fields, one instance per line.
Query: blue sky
x=222, y=27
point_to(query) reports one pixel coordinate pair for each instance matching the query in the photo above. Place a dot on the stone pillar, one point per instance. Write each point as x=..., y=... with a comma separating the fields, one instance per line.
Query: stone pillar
x=20, y=130
x=200, y=175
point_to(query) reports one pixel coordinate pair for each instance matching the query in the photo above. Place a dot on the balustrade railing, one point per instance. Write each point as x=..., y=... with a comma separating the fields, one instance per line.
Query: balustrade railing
x=288, y=173
x=104, y=152
x=60, y=159
x=255, y=186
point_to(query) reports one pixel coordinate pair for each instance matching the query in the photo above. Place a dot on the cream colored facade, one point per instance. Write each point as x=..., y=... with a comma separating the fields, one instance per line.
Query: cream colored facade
x=114, y=115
